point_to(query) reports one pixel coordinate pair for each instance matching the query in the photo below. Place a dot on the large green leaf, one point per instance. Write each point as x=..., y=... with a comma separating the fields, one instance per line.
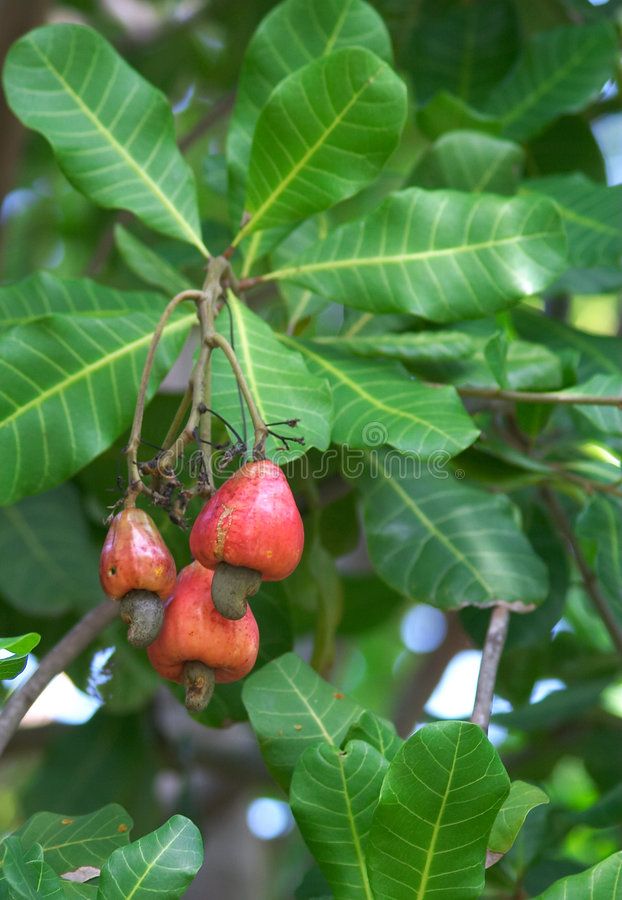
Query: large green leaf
x=442, y=255
x=149, y=265
x=465, y=48
x=44, y=294
x=292, y=35
x=317, y=140
x=600, y=527
x=25, y=875
x=54, y=561
x=69, y=842
x=280, y=382
x=78, y=394
x=517, y=805
x=19, y=648
x=561, y=71
x=438, y=803
x=291, y=708
x=333, y=795
x=160, y=864
x=471, y=161
x=591, y=214
x=112, y=131
x=379, y=403
x=444, y=542
x=602, y=882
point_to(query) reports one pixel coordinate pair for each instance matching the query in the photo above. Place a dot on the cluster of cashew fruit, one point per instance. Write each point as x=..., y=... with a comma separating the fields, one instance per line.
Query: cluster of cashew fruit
x=198, y=627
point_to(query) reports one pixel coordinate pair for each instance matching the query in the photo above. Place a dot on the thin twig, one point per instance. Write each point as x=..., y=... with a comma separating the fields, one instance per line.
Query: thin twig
x=588, y=577
x=491, y=655
x=56, y=661
x=535, y=396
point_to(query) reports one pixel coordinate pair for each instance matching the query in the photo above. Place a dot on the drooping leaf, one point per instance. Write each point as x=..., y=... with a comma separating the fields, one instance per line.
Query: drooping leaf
x=44, y=294
x=281, y=384
x=442, y=255
x=333, y=795
x=378, y=732
x=69, y=842
x=317, y=142
x=291, y=708
x=162, y=863
x=561, y=71
x=602, y=882
x=471, y=161
x=54, y=560
x=25, y=875
x=517, y=805
x=462, y=48
x=148, y=265
x=600, y=526
x=292, y=35
x=112, y=132
x=379, y=403
x=78, y=393
x=443, y=542
x=591, y=215
x=19, y=648
x=438, y=803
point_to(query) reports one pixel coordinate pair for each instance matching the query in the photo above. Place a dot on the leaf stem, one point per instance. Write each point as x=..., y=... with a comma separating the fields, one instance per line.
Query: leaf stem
x=535, y=396
x=56, y=661
x=491, y=656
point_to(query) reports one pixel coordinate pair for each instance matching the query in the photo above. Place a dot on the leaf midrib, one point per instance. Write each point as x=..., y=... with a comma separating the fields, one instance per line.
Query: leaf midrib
x=354, y=831
x=425, y=875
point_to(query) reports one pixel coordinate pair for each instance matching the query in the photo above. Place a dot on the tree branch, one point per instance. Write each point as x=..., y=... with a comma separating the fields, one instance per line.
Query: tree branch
x=588, y=577
x=491, y=656
x=56, y=661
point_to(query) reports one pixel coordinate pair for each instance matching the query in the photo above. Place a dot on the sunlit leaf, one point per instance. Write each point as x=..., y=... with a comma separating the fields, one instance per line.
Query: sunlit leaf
x=19, y=648
x=602, y=882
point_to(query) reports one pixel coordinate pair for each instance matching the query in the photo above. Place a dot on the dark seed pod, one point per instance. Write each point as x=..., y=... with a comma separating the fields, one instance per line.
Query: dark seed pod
x=230, y=588
x=143, y=613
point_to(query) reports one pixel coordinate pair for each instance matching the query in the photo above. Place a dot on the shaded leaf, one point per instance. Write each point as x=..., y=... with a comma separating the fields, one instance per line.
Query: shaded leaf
x=378, y=732
x=471, y=161
x=517, y=805
x=561, y=71
x=445, y=112
x=163, y=863
x=442, y=542
x=291, y=708
x=25, y=874
x=333, y=795
x=148, y=265
x=379, y=403
x=316, y=141
x=560, y=706
x=437, y=806
x=600, y=527
x=78, y=395
x=442, y=255
x=112, y=131
x=602, y=882
x=606, y=419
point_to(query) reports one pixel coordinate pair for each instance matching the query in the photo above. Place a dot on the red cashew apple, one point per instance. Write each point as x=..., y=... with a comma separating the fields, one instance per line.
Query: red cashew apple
x=136, y=567
x=197, y=646
x=249, y=531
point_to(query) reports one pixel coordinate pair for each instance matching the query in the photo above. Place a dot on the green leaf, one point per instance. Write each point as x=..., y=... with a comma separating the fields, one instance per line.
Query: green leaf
x=445, y=113
x=378, y=732
x=78, y=396
x=591, y=215
x=112, y=131
x=300, y=302
x=25, y=873
x=561, y=71
x=437, y=806
x=333, y=795
x=19, y=648
x=471, y=161
x=410, y=347
x=292, y=35
x=442, y=255
x=463, y=48
x=43, y=294
x=69, y=842
x=520, y=801
x=162, y=863
x=556, y=708
x=278, y=379
x=600, y=527
x=605, y=419
x=54, y=561
x=379, y=403
x=291, y=708
x=148, y=265
x=602, y=882
x=443, y=542
x=316, y=141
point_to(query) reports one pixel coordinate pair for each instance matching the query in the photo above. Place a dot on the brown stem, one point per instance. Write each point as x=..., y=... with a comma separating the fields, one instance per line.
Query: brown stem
x=491, y=655
x=535, y=396
x=588, y=577
x=180, y=415
x=133, y=474
x=56, y=661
